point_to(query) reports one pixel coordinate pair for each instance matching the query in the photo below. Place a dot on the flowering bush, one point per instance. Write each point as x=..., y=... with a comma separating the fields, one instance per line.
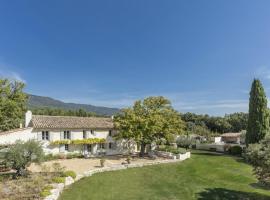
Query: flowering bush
x=80, y=141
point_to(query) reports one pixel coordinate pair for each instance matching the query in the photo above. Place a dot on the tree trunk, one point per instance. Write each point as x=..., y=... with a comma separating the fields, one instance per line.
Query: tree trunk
x=142, y=150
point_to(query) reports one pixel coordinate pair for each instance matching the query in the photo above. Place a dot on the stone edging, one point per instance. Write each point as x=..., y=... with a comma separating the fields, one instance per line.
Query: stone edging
x=58, y=188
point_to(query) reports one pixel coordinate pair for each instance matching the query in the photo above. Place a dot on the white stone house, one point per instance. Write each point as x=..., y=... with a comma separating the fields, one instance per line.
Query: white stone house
x=58, y=133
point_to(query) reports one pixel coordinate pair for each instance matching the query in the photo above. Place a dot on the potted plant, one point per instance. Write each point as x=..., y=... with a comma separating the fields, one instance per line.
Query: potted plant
x=128, y=159
x=102, y=162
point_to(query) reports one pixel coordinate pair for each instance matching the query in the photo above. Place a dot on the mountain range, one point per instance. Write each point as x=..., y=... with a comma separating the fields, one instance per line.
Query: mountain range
x=48, y=102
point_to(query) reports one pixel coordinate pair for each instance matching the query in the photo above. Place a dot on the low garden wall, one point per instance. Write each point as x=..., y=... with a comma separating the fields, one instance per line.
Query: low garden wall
x=214, y=147
x=170, y=155
x=218, y=147
x=58, y=188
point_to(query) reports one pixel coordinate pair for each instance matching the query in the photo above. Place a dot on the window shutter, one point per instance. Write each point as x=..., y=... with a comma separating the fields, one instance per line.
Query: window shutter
x=61, y=135
x=71, y=135
x=39, y=136
x=61, y=148
x=50, y=136
x=114, y=145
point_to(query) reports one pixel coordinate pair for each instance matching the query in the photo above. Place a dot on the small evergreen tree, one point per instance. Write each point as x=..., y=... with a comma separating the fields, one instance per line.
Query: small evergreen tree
x=258, y=122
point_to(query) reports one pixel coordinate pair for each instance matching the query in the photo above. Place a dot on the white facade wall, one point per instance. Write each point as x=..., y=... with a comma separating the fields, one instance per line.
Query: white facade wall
x=55, y=135
x=217, y=139
x=118, y=147
x=23, y=135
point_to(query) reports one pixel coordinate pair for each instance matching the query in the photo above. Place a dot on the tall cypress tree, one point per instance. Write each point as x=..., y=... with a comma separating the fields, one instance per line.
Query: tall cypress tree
x=258, y=120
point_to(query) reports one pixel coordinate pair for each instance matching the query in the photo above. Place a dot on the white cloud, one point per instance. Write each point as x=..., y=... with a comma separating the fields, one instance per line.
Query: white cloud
x=263, y=72
x=6, y=72
x=198, y=102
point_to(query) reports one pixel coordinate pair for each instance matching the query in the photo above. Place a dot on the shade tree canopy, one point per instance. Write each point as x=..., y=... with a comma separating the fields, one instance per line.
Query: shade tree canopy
x=148, y=120
x=12, y=104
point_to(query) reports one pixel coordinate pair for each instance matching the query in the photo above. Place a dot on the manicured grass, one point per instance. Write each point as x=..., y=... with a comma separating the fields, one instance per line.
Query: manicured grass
x=205, y=176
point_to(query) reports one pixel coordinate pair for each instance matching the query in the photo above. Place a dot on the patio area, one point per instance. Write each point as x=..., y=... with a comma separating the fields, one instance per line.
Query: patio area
x=81, y=165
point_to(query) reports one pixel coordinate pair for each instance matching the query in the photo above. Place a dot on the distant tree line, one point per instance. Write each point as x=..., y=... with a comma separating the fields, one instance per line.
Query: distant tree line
x=62, y=112
x=229, y=123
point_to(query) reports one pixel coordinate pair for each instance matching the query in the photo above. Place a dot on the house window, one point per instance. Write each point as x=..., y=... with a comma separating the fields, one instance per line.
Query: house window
x=89, y=148
x=110, y=145
x=102, y=146
x=66, y=147
x=45, y=135
x=110, y=132
x=92, y=132
x=67, y=135
x=84, y=135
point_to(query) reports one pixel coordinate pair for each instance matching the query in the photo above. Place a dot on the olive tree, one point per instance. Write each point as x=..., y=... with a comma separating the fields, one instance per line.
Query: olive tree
x=21, y=154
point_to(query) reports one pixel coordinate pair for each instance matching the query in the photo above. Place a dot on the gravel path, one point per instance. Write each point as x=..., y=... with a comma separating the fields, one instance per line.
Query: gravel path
x=83, y=165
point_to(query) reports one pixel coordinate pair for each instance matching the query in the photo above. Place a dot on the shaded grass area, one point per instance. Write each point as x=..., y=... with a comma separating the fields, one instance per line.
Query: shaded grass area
x=205, y=176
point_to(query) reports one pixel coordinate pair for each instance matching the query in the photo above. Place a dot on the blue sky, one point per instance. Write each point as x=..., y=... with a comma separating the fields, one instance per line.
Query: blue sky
x=202, y=55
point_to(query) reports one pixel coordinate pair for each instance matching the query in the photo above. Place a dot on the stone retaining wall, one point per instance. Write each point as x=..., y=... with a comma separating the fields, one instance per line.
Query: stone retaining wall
x=58, y=188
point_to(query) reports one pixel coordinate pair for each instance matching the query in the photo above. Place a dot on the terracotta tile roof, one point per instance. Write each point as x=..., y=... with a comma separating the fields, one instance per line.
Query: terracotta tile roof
x=231, y=135
x=68, y=122
x=13, y=130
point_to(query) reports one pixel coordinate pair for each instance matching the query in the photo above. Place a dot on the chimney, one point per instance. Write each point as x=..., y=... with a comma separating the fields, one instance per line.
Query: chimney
x=28, y=118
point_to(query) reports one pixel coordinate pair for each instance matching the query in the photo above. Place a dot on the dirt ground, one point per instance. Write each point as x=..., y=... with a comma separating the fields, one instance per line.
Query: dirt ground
x=81, y=165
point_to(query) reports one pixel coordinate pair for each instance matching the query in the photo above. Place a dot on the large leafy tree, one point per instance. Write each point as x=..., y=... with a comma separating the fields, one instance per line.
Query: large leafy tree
x=148, y=120
x=258, y=120
x=238, y=121
x=12, y=104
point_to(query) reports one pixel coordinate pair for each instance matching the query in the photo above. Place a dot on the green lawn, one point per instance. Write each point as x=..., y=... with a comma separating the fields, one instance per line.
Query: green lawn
x=205, y=176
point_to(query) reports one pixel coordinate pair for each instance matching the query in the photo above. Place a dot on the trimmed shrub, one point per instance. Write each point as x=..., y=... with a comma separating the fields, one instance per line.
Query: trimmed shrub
x=72, y=174
x=74, y=155
x=45, y=193
x=235, y=150
x=59, y=179
x=49, y=157
x=171, y=149
x=48, y=187
x=128, y=159
x=69, y=156
x=62, y=156
x=178, y=151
